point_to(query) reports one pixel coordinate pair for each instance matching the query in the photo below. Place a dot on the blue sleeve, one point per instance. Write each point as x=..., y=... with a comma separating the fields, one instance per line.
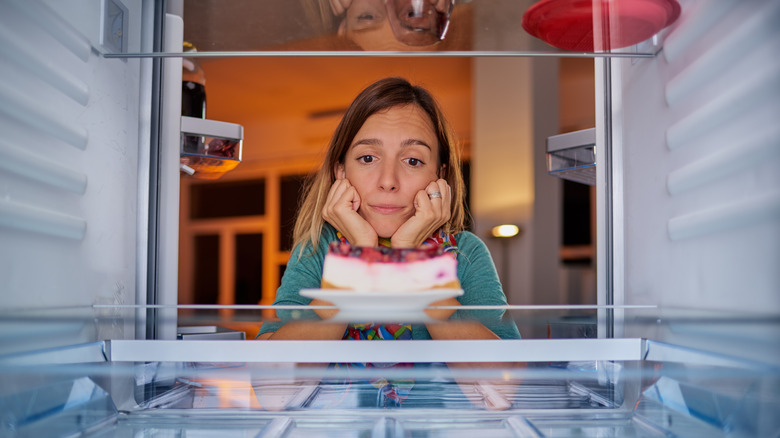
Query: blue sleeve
x=481, y=286
x=304, y=271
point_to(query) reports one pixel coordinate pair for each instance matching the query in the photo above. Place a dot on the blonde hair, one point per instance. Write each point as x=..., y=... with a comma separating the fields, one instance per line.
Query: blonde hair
x=381, y=95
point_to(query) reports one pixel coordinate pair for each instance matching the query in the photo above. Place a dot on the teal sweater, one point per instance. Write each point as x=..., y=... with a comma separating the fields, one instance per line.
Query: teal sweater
x=476, y=273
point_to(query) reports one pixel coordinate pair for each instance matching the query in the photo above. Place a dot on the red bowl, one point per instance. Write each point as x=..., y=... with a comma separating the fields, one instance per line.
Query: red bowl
x=569, y=24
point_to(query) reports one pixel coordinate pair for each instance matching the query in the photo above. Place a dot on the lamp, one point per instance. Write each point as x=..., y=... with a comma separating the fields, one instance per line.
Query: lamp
x=504, y=233
x=505, y=230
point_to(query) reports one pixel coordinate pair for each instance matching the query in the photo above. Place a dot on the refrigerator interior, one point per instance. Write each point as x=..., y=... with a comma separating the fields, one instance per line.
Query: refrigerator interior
x=683, y=340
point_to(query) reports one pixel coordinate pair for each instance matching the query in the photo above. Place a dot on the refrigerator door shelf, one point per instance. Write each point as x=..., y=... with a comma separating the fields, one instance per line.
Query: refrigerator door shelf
x=209, y=148
x=572, y=156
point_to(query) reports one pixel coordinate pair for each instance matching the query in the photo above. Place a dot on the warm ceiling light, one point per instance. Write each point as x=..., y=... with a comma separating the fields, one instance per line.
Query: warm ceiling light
x=505, y=231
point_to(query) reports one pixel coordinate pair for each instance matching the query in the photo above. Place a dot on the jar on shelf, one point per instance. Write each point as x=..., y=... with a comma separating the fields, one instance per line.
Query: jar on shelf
x=193, y=85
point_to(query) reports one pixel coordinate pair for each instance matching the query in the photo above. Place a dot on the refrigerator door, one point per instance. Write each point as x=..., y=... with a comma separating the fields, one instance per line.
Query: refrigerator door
x=689, y=167
x=74, y=161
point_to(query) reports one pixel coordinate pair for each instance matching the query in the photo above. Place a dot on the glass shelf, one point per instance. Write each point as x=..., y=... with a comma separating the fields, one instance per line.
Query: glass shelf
x=54, y=377
x=279, y=28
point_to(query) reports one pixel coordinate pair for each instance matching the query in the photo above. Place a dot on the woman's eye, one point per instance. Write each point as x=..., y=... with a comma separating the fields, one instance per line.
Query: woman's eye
x=365, y=21
x=366, y=159
x=414, y=162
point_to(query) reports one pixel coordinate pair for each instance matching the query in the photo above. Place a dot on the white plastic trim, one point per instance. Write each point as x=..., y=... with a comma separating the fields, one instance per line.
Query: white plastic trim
x=168, y=226
x=760, y=27
x=50, y=22
x=30, y=165
x=731, y=103
x=741, y=213
x=694, y=23
x=213, y=128
x=751, y=151
x=28, y=57
x=36, y=219
x=16, y=105
x=524, y=350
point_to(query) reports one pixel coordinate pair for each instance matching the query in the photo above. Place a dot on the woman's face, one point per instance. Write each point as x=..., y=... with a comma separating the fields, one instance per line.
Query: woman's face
x=393, y=156
x=366, y=24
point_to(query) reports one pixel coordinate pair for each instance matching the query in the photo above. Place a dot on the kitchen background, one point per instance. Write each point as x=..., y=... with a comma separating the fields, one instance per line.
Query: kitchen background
x=235, y=231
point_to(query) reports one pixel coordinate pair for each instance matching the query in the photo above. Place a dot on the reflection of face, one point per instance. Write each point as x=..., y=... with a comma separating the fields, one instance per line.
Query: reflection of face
x=418, y=22
x=393, y=156
x=366, y=24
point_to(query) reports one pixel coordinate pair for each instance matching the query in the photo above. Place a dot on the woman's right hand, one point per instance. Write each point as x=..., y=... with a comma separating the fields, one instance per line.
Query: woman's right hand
x=339, y=6
x=340, y=210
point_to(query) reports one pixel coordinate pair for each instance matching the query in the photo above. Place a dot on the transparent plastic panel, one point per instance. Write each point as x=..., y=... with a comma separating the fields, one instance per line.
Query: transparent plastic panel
x=60, y=407
x=575, y=164
x=209, y=157
x=237, y=387
x=628, y=399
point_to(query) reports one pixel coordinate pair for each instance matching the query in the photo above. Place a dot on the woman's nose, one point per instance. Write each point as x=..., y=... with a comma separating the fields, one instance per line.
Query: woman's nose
x=388, y=177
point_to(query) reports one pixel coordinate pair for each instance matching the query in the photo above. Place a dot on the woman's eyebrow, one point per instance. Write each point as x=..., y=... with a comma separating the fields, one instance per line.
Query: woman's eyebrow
x=406, y=143
x=414, y=142
x=368, y=141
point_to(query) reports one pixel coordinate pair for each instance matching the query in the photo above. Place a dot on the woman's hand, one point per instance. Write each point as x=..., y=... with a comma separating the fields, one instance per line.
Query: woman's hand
x=340, y=210
x=339, y=6
x=431, y=212
x=442, y=314
x=442, y=5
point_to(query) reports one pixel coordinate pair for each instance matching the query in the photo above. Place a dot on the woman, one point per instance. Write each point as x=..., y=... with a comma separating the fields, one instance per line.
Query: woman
x=391, y=177
x=393, y=24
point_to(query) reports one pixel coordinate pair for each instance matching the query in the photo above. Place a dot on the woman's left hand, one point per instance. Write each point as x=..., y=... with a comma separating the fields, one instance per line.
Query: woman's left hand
x=432, y=210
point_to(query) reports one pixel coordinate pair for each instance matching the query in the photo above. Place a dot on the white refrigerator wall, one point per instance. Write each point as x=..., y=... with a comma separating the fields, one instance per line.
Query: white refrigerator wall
x=698, y=129
x=73, y=160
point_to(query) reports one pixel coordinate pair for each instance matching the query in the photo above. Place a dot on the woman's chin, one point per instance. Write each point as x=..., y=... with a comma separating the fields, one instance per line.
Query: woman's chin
x=385, y=230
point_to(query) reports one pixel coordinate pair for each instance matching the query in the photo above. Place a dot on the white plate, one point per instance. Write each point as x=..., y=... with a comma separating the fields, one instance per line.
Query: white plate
x=362, y=306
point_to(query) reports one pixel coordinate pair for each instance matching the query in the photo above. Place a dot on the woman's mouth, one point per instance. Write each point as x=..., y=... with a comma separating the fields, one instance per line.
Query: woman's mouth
x=386, y=209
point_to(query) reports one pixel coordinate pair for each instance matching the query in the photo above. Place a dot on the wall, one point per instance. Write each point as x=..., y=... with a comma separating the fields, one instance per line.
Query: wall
x=577, y=107
x=515, y=110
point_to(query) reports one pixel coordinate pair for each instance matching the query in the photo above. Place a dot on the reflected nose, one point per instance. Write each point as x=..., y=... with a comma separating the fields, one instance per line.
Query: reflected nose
x=416, y=14
x=419, y=22
x=388, y=177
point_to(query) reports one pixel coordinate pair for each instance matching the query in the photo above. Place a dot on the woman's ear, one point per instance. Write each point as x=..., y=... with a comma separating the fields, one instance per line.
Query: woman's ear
x=342, y=30
x=443, y=171
x=338, y=171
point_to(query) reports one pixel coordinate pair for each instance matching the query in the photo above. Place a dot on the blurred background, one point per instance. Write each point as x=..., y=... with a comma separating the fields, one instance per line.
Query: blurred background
x=235, y=232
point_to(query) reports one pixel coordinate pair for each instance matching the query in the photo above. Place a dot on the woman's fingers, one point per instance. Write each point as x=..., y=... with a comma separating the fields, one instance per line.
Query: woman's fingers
x=432, y=210
x=335, y=190
x=441, y=5
x=446, y=198
x=350, y=196
x=427, y=218
x=341, y=196
x=340, y=210
x=339, y=6
x=342, y=193
x=433, y=204
x=440, y=197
